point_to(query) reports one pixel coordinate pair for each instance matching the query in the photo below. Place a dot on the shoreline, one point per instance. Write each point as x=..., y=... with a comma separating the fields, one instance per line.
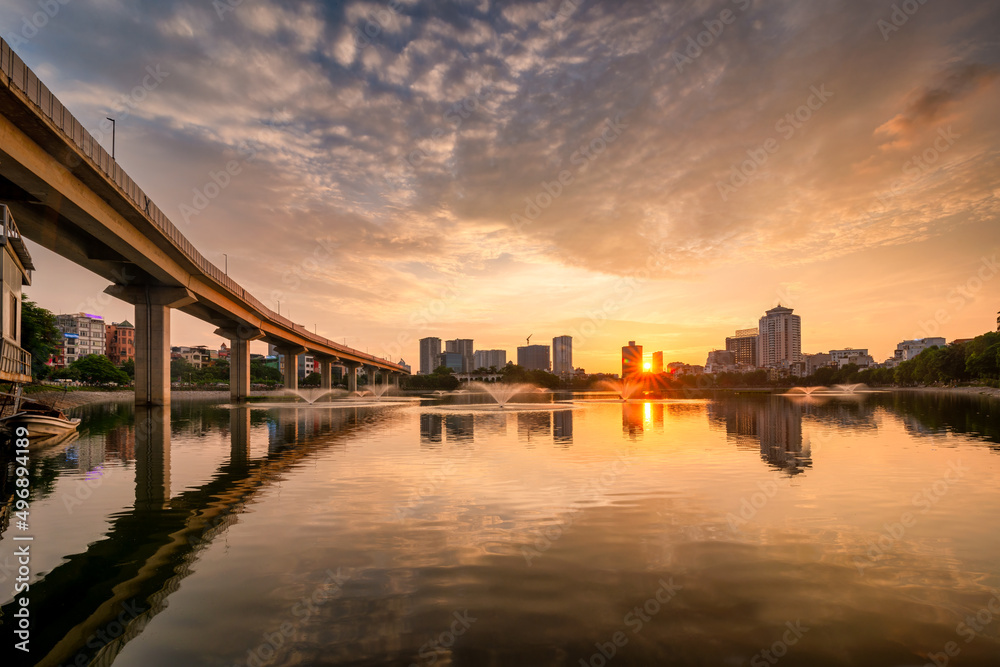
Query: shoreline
x=75, y=399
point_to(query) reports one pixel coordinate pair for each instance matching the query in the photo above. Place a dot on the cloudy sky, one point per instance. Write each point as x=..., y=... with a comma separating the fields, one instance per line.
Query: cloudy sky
x=657, y=171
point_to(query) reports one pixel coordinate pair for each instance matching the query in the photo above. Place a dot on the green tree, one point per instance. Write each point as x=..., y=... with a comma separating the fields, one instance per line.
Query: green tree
x=128, y=366
x=98, y=369
x=261, y=373
x=314, y=379
x=39, y=336
x=180, y=369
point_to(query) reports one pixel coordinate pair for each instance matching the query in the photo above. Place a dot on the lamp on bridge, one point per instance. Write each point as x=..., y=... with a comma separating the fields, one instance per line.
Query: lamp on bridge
x=114, y=126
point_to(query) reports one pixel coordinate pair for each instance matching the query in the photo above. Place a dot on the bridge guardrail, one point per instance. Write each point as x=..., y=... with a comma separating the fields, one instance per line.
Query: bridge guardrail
x=21, y=77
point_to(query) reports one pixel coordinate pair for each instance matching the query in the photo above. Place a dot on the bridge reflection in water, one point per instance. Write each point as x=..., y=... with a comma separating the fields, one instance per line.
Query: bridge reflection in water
x=95, y=601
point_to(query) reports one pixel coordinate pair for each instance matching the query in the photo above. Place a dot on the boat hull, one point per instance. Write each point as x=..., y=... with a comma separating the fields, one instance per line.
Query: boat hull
x=43, y=425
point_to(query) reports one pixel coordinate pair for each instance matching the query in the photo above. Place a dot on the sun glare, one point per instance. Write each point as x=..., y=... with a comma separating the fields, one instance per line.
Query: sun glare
x=647, y=366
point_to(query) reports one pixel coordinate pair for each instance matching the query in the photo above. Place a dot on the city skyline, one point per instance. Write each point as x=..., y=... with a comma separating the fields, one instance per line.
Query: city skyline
x=899, y=243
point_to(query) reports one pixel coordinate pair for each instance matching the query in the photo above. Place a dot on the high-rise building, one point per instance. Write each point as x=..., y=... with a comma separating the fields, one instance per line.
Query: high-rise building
x=562, y=355
x=464, y=347
x=657, y=365
x=120, y=342
x=533, y=357
x=430, y=350
x=452, y=360
x=779, y=342
x=631, y=359
x=744, y=346
x=83, y=335
x=490, y=358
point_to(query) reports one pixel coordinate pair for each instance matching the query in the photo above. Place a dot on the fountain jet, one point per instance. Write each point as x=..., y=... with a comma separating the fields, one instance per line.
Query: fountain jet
x=502, y=393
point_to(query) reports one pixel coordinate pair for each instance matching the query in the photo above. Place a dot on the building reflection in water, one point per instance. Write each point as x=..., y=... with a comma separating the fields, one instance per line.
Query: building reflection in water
x=460, y=427
x=562, y=427
x=534, y=425
x=492, y=423
x=430, y=428
x=772, y=426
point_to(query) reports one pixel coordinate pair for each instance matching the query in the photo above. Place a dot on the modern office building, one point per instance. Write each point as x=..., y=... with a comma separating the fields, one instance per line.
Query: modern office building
x=464, y=347
x=489, y=359
x=562, y=356
x=430, y=352
x=83, y=335
x=657, y=364
x=533, y=357
x=743, y=345
x=120, y=342
x=779, y=339
x=406, y=366
x=452, y=360
x=631, y=359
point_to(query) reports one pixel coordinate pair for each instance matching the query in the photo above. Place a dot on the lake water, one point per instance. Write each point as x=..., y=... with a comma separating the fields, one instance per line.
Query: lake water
x=752, y=530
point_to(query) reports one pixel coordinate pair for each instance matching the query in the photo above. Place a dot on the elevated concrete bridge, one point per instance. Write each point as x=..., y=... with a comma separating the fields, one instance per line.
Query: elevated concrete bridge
x=69, y=196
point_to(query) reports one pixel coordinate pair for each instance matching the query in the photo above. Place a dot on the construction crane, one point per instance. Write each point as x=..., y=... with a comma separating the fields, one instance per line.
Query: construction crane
x=528, y=341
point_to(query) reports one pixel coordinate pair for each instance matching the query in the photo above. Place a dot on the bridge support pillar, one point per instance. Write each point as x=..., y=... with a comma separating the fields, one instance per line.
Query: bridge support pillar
x=152, y=337
x=239, y=337
x=152, y=456
x=352, y=375
x=325, y=372
x=290, y=359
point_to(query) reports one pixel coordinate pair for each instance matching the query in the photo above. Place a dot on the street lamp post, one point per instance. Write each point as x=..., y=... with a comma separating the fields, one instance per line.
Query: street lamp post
x=114, y=128
x=227, y=262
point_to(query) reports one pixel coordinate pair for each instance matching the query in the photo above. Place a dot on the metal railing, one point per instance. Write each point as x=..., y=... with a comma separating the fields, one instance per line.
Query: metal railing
x=20, y=76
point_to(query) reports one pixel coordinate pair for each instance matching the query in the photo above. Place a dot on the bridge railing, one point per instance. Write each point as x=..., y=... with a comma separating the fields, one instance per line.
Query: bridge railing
x=21, y=77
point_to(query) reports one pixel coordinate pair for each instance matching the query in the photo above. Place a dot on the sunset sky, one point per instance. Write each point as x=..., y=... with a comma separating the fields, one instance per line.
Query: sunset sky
x=654, y=171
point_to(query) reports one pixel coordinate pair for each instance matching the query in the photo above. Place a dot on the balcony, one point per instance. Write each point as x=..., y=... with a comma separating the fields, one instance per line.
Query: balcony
x=15, y=363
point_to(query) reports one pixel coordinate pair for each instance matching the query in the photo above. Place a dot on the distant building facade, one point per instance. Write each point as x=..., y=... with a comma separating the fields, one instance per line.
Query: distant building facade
x=744, y=347
x=814, y=362
x=430, y=351
x=849, y=356
x=657, y=365
x=490, y=358
x=909, y=349
x=720, y=361
x=120, y=342
x=533, y=357
x=83, y=335
x=562, y=356
x=779, y=341
x=631, y=359
x=464, y=347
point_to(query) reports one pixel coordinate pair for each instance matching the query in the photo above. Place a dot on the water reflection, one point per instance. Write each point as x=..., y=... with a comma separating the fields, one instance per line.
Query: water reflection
x=533, y=426
x=431, y=428
x=420, y=530
x=149, y=548
x=773, y=425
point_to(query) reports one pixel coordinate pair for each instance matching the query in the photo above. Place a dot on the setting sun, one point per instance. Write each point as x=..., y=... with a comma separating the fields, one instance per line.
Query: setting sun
x=647, y=366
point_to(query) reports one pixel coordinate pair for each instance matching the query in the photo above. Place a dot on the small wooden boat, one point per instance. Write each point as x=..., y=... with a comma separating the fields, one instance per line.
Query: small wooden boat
x=41, y=420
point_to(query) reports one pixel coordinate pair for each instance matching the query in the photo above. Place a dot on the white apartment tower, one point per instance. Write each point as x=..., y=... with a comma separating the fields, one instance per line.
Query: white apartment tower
x=779, y=341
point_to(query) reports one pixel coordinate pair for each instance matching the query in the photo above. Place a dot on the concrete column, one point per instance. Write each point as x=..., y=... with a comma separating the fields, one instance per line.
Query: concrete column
x=352, y=375
x=325, y=372
x=152, y=456
x=152, y=337
x=239, y=358
x=291, y=362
